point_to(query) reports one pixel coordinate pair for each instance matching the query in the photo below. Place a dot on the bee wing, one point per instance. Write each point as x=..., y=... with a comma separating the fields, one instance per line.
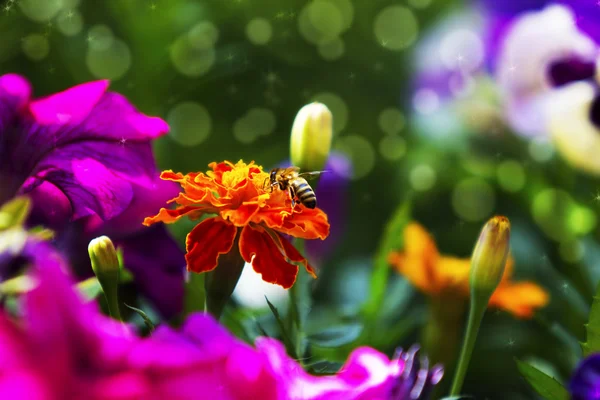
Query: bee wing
x=288, y=170
x=312, y=174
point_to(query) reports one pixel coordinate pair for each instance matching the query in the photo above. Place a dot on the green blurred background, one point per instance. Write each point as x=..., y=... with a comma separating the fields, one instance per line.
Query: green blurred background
x=229, y=77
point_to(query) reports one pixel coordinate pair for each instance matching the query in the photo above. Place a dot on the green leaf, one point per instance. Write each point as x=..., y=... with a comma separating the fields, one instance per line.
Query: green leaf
x=324, y=367
x=15, y=212
x=457, y=398
x=546, y=386
x=593, y=327
x=337, y=335
x=287, y=341
x=391, y=240
x=16, y=286
x=90, y=288
x=145, y=317
x=195, y=294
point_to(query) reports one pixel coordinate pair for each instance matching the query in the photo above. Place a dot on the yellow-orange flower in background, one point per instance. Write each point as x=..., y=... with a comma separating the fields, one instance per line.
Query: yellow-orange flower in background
x=235, y=194
x=436, y=274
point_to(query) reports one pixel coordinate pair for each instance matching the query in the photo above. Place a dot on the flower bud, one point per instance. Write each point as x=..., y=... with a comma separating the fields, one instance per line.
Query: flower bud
x=105, y=264
x=489, y=256
x=311, y=137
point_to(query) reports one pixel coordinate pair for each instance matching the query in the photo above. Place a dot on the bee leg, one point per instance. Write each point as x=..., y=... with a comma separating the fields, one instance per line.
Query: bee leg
x=292, y=195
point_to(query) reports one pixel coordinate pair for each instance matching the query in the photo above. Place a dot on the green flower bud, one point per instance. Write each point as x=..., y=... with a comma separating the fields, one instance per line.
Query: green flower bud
x=489, y=256
x=311, y=137
x=105, y=264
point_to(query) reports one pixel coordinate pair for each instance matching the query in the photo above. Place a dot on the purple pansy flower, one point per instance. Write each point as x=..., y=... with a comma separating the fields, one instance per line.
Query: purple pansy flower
x=585, y=382
x=84, y=157
x=61, y=347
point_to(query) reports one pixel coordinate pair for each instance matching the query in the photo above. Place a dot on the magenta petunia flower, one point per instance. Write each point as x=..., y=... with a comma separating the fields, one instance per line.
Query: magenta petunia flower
x=84, y=156
x=61, y=347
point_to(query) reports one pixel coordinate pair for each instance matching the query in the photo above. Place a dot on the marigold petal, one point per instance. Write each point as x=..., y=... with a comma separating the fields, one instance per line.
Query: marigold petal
x=293, y=254
x=452, y=273
x=209, y=239
x=306, y=224
x=520, y=299
x=259, y=249
x=168, y=216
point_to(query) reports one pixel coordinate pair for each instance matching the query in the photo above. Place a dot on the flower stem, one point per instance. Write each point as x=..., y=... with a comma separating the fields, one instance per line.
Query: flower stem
x=112, y=301
x=220, y=282
x=299, y=305
x=476, y=312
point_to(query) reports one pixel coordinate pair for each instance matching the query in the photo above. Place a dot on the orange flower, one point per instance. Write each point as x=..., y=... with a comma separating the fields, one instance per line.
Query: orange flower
x=436, y=274
x=245, y=213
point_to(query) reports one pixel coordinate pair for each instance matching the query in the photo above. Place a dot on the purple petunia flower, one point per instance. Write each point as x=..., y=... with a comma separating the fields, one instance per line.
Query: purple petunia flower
x=585, y=382
x=63, y=348
x=84, y=157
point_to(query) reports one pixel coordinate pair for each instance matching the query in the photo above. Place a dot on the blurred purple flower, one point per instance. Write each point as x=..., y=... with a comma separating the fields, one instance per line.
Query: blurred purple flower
x=585, y=382
x=63, y=348
x=84, y=156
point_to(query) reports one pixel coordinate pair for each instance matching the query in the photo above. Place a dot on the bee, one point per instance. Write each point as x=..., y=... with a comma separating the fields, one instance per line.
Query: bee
x=295, y=183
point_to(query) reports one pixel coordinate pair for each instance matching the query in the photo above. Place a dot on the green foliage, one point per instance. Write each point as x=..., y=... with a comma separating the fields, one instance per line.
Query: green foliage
x=14, y=213
x=547, y=387
x=289, y=343
x=141, y=313
x=336, y=336
x=592, y=345
x=391, y=240
x=194, y=297
x=90, y=288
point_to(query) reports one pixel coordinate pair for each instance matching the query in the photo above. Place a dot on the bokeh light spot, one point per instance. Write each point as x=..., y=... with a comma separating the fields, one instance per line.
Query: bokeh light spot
x=256, y=122
x=392, y=148
x=190, y=123
x=36, y=47
x=551, y=209
x=473, y=199
x=338, y=109
x=320, y=21
x=396, y=27
x=391, y=121
x=511, y=176
x=40, y=10
x=203, y=35
x=422, y=177
x=541, y=149
x=360, y=152
x=426, y=101
x=419, y=3
x=462, y=49
x=581, y=220
x=100, y=38
x=190, y=60
x=259, y=31
x=111, y=63
x=70, y=22
x=332, y=50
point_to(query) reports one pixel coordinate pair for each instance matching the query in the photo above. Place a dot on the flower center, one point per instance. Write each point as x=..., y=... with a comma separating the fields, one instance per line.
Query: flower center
x=570, y=70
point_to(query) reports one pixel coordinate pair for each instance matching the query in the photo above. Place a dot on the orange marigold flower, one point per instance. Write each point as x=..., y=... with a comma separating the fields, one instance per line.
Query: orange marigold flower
x=437, y=274
x=235, y=193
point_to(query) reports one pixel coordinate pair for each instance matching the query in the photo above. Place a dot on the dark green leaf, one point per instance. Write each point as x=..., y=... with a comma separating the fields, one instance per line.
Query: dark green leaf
x=391, y=240
x=195, y=295
x=461, y=397
x=337, y=335
x=289, y=345
x=592, y=345
x=14, y=213
x=90, y=288
x=546, y=386
x=145, y=317
x=324, y=367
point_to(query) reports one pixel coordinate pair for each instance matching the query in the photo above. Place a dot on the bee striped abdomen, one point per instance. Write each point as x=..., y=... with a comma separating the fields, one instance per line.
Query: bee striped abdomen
x=304, y=193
